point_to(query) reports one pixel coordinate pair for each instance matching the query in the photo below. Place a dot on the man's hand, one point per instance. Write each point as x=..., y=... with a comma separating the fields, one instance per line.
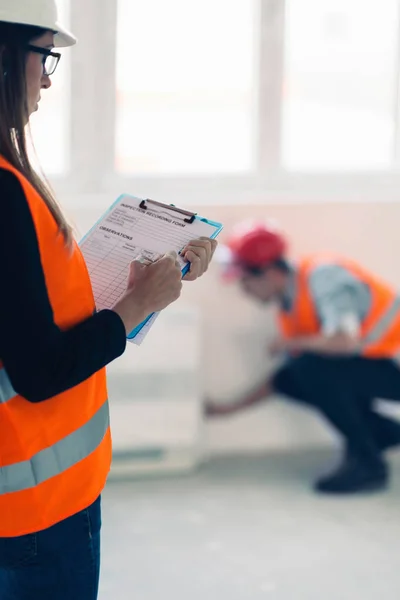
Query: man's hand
x=217, y=409
x=277, y=346
x=338, y=344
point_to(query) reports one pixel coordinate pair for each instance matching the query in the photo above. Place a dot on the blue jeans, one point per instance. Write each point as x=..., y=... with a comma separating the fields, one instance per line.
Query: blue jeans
x=59, y=563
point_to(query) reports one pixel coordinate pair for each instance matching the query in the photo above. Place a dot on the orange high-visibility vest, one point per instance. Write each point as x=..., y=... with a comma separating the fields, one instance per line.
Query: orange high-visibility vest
x=55, y=455
x=380, y=330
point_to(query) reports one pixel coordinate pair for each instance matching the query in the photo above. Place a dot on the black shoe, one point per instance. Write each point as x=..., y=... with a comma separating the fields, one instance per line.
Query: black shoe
x=354, y=476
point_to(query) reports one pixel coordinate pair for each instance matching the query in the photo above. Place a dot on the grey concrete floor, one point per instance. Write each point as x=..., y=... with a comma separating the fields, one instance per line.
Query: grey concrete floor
x=249, y=529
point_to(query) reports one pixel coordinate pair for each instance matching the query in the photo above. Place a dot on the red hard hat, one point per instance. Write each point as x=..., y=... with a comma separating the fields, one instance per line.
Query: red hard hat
x=256, y=244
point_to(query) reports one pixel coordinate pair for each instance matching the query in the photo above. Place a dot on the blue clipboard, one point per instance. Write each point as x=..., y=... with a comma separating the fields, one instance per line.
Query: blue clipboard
x=190, y=218
x=187, y=216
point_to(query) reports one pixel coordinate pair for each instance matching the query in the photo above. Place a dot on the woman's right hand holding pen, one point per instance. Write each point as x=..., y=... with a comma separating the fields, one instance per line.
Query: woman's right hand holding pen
x=150, y=288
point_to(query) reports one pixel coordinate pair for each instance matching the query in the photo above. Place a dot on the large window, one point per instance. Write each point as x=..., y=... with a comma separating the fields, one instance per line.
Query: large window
x=185, y=86
x=340, y=84
x=241, y=95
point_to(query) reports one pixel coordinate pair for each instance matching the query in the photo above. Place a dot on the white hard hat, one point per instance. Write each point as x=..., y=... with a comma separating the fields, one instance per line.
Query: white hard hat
x=39, y=13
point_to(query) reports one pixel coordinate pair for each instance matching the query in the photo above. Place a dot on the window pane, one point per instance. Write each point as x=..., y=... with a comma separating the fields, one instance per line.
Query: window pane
x=185, y=83
x=340, y=84
x=50, y=125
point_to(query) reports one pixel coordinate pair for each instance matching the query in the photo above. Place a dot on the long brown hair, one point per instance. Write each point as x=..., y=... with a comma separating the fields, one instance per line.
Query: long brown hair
x=14, y=114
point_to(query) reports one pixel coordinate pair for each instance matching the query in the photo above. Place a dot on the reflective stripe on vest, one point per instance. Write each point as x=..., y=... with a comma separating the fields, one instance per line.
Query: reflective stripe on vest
x=58, y=458
x=383, y=324
x=7, y=391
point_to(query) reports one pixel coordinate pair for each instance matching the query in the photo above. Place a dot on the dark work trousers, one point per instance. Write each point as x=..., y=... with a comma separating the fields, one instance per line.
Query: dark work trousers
x=58, y=563
x=344, y=390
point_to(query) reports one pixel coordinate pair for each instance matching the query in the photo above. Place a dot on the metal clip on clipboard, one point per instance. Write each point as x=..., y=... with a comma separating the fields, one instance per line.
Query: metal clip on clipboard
x=189, y=217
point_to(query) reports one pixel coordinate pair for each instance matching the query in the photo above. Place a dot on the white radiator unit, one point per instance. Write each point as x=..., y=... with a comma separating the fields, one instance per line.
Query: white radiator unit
x=155, y=399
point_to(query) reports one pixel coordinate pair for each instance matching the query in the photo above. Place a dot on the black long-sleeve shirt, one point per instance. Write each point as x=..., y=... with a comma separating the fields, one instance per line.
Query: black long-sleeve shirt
x=40, y=359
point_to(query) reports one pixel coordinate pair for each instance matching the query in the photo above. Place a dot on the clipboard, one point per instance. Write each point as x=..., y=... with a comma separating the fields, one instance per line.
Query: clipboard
x=187, y=217
x=166, y=215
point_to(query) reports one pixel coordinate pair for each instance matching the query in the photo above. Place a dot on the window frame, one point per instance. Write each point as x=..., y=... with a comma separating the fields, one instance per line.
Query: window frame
x=92, y=118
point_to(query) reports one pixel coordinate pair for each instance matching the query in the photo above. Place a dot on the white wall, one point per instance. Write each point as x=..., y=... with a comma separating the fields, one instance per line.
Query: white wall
x=236, y=332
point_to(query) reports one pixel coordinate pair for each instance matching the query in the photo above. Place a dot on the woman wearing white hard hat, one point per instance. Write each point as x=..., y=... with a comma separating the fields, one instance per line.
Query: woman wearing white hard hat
x=55, y=447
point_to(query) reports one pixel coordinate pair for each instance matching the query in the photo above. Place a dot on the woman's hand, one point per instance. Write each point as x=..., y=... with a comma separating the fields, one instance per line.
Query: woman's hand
x=199, y=254
x=150, y=288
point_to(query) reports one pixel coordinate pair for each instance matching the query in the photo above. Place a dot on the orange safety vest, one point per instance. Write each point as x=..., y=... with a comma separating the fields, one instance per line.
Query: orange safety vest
x=380, y=330
x=55, y=455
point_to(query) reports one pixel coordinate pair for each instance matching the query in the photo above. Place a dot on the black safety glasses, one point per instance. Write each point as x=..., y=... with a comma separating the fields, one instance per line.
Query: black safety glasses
x=50, y=59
